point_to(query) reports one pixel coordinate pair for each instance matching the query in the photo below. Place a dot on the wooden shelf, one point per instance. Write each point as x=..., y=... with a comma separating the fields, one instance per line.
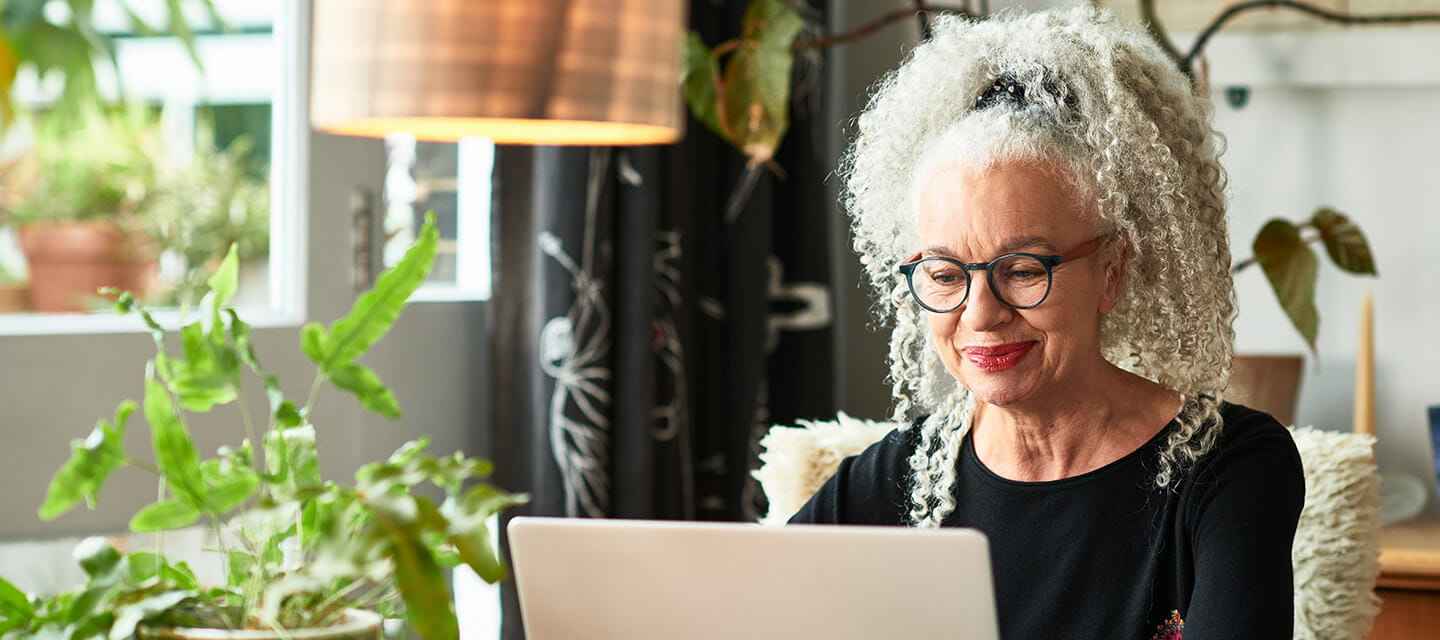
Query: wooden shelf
x=1410, y=555
x=1409, y=583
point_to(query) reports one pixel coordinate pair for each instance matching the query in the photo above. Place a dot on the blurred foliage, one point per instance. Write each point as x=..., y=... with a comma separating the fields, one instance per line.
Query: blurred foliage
x=100, y=166
x=204, y=204
x=59, y=38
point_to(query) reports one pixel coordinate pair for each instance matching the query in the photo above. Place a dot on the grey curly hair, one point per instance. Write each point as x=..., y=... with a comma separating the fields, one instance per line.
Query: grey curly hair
x=1106, y=104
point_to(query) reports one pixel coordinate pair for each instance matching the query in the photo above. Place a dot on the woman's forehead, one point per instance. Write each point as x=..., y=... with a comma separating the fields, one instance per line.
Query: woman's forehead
x=1008, y=207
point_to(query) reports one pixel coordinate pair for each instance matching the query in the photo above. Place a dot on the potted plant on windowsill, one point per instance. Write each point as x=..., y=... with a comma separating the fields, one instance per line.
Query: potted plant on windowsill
x=303, y=556
x=203, y=204
x=80, y=222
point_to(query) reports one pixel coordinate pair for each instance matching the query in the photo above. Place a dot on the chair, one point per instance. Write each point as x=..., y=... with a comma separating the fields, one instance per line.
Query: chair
x=1336, y=555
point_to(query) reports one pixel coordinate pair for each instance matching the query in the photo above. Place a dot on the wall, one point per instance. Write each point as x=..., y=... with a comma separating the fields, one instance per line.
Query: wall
x=1349, y=119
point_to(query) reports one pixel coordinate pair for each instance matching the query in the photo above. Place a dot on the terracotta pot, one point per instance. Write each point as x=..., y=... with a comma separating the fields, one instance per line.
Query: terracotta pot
x=356, y=625
x=14, y=298
x=1268, y=383
x=70, y=261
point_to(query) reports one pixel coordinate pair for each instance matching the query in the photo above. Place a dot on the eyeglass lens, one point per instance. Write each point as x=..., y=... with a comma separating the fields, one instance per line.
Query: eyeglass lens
x=1019, y=281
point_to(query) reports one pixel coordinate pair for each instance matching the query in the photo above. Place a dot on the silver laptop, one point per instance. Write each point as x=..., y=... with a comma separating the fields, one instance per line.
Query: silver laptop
x=645, y=580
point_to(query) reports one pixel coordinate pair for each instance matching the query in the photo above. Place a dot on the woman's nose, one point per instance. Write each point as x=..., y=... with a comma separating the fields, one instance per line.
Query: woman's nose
x=983, y=311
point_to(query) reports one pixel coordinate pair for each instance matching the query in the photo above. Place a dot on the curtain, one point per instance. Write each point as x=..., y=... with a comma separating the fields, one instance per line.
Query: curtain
x=643, y=339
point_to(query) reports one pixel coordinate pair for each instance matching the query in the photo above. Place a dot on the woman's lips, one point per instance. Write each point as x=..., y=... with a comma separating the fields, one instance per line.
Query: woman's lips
x=998, y=357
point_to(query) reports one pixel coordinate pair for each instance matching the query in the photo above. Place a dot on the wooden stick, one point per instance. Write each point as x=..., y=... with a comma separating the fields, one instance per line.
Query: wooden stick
x=1365, y=370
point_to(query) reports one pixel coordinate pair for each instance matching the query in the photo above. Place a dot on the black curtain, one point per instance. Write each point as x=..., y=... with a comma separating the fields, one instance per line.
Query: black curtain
x=643, y=341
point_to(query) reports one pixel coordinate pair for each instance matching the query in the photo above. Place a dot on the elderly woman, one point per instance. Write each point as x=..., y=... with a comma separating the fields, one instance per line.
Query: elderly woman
x=1038, y=200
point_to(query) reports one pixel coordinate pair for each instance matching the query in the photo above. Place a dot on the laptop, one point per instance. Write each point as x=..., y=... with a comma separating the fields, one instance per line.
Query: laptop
x=647, y=580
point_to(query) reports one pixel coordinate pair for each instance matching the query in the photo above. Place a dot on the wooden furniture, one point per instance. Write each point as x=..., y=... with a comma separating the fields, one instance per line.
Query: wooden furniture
x=1409, y=583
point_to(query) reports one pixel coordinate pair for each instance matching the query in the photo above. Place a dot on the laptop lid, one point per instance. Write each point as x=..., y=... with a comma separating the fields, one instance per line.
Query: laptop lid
x=647, y=580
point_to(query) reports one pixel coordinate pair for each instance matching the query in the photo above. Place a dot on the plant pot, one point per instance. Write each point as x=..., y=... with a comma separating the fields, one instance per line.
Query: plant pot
x=356, y=625
x=14, y=298
x=1267, y=383
x=70, y=261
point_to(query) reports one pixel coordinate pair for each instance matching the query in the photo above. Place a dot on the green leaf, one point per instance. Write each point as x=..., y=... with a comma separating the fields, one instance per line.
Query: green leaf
x=91, y=462
x=15, y=606
x=376, y=310
x=698, y=78
x=165, y=515
x=1344, y=242
x=231, y=484
x=96, y=556
x=226, y=279
x=1291, y=267
x=129, y=617
x=420, y=581
x=468, y=527
x=143, y=565
x=242, y=566
x=366, y=386
x=313, y=341
x=290, y=455
x=209, y=374
x=757, y=80
x=175, y=452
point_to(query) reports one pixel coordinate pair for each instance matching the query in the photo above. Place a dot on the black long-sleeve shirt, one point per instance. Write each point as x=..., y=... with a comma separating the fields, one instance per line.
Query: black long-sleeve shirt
x=1106, y=554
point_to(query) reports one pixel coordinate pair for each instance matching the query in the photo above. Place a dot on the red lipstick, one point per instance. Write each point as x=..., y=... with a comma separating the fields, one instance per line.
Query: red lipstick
x=998, y=357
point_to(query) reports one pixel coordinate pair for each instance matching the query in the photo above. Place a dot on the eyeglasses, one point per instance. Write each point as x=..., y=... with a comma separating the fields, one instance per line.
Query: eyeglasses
x=1019, y=280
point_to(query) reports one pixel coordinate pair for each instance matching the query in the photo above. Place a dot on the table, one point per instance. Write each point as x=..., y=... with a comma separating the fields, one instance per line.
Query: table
x=1409, y=583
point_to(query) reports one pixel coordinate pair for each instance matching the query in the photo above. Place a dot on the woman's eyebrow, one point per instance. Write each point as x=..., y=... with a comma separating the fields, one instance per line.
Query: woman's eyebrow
x=1011, y=246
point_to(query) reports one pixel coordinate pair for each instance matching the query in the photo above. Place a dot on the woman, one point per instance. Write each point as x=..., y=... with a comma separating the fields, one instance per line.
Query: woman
x=1039, y=202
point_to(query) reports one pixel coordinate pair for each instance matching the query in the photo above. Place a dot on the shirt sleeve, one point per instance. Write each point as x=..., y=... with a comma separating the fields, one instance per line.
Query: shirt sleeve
x=868, y=488
x=1243, y=526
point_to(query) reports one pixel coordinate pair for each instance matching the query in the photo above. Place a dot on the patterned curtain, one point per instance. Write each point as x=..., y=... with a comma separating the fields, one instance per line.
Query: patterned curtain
x=643, y=340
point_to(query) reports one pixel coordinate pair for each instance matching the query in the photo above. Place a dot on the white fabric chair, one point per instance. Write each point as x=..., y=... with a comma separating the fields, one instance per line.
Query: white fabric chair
x=1336, y=553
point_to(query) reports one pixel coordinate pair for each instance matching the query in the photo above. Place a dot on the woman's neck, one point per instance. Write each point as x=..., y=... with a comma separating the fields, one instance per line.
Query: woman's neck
x=1075, y=434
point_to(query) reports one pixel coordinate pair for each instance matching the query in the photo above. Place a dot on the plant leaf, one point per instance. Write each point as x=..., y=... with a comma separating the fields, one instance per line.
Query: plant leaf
x=1291, y=267
x=226, y=279
x=419, y=579
x=757, y=80
x=209, y=374
x=366, y=386
x=698, y=78
x=231, y=484
x=291, y=457
x=165, y=515
x=175, y=452
x=91, y=462
x=128, y=617
x=1344, y=242
x=377, y=309
x=15, y=606
x=96, y=556
x=313, y=341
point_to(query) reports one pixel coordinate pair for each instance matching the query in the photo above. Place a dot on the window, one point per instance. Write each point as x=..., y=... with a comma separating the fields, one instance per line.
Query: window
x=209, y=159
x=452, y=181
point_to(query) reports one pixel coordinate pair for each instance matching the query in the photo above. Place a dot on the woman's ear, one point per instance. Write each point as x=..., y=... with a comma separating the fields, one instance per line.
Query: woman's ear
x=1117, y=259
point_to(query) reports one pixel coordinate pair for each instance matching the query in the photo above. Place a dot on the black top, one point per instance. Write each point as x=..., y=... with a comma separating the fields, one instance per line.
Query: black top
x=1105, y=554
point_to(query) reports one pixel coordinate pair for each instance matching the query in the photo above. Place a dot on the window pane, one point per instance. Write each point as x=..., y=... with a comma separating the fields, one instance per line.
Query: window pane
x=182, y=170
x=452, y=181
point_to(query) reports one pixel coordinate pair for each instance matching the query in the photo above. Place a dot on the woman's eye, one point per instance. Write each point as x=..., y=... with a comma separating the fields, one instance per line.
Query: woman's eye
x=946, y=277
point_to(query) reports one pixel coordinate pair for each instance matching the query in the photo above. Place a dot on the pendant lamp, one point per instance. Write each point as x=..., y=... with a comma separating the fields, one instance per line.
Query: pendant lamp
x=549, y=72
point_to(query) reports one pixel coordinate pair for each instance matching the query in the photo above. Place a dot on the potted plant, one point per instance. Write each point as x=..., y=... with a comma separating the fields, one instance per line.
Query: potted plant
x=14, y=293
x=204, y=204
x=79, y=222
x=303, y=556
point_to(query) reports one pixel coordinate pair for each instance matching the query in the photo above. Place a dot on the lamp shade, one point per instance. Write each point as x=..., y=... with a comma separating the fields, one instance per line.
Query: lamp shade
x=591, y=72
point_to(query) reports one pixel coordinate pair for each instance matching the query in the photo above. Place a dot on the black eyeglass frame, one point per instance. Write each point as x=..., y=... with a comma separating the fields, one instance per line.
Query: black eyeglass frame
x=1085, y=249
